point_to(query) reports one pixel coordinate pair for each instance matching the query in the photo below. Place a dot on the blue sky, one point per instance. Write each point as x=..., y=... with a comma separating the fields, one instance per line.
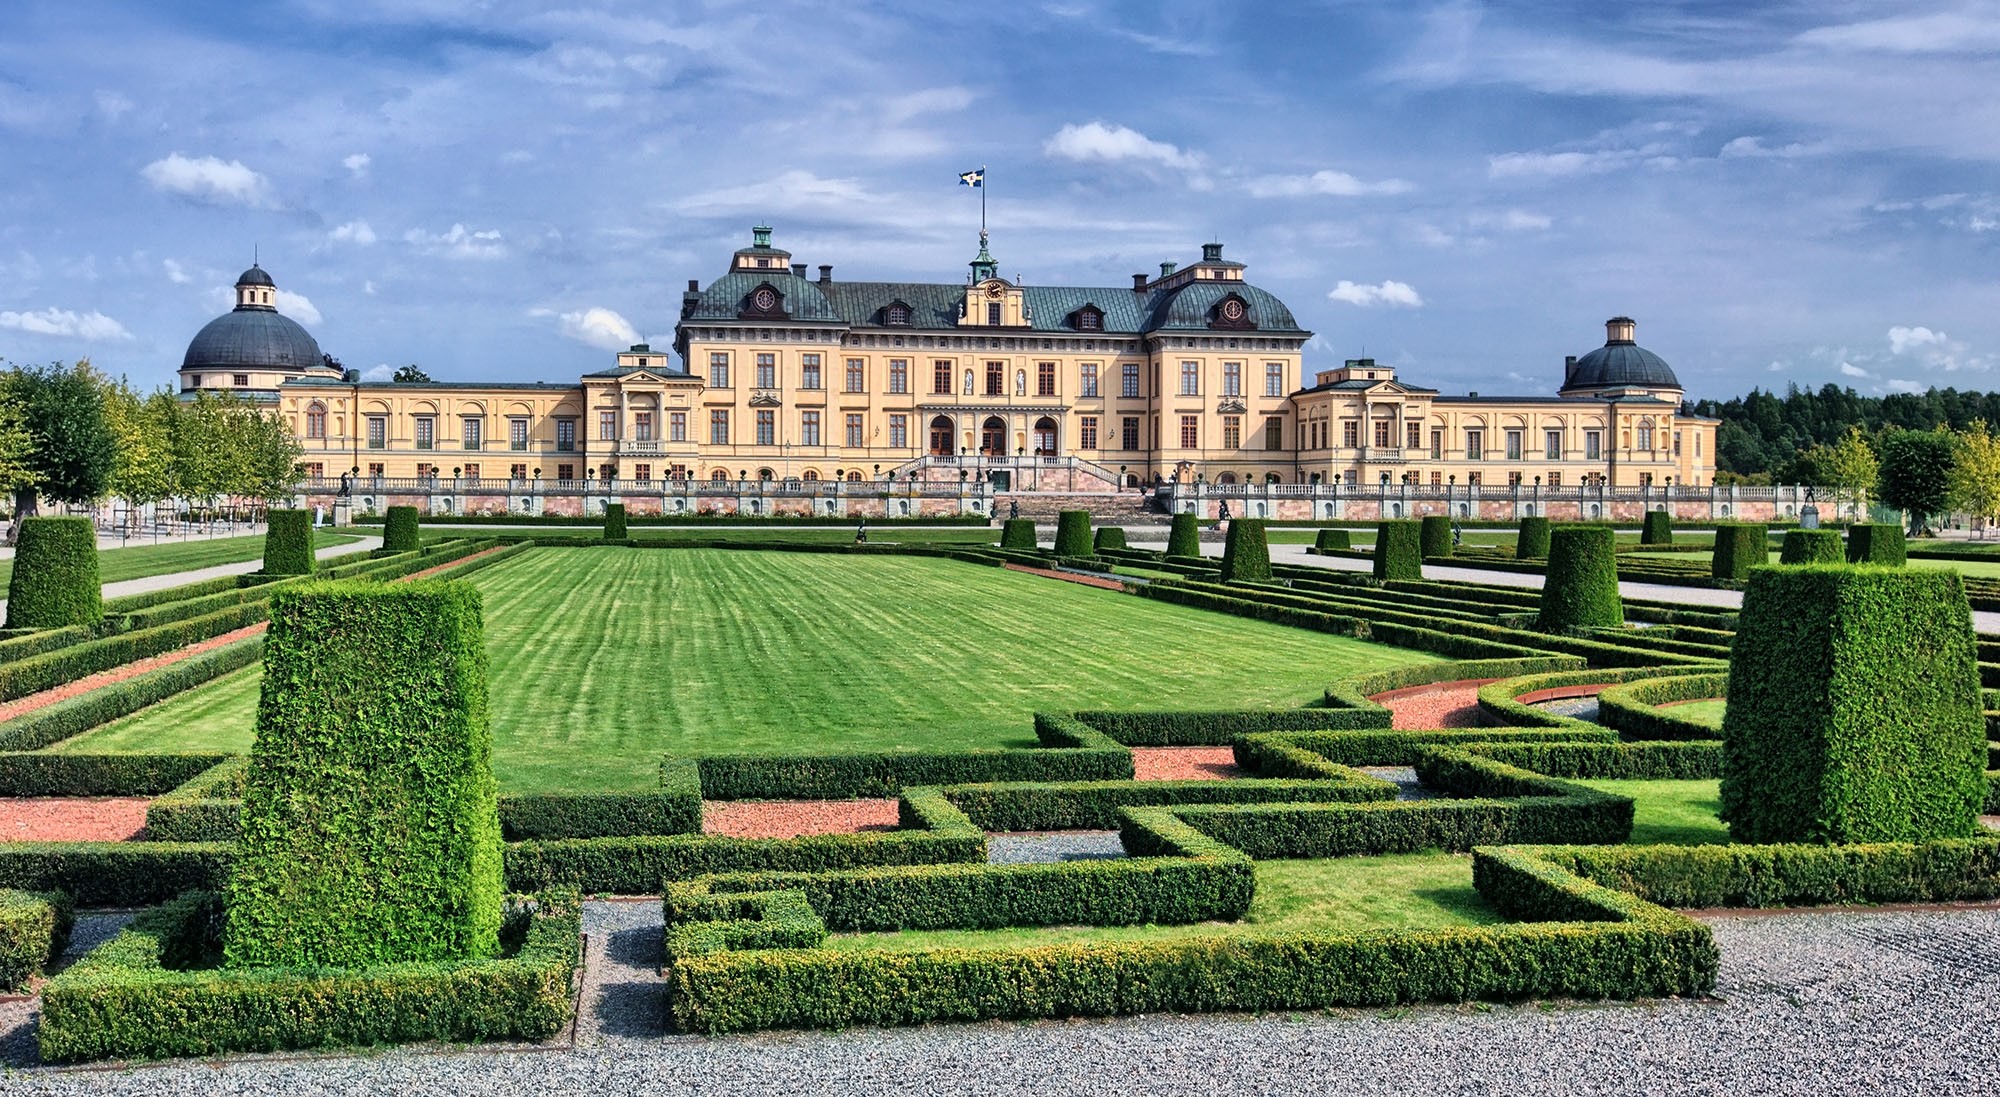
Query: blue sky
x=1779, y=193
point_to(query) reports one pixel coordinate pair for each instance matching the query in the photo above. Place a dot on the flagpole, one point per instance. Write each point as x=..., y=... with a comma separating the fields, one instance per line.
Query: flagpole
x=982, y=202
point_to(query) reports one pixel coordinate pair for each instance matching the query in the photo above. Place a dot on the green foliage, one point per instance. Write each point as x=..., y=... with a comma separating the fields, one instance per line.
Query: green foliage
x=1581, y=588
x=221, y=444
x=1811, y=546
x=1740, y=546
x=1917, y=472
x=1399, y=550
x=52, y=724
x=1877, y=543
x=114, y=874
x=1073, y=533
x=35, y=773
x=1184, y=536
x=1854, y=709
x=1075, y=751
x=1532, y=543
x=1333, y=539
x=614, y=522
x=399, y=530
x=1632, y=708
x=1436, y=536
x=1793, y=875
x=73, y=450
x=1194, y=728
x=55, y=575
x=1094, y=805
x=56, y=668
x=148, y=992
x=411, y=374
x=1686, y=761
x=1246, y=556
x=1018, y=533
x=288, y=543
x=34, y=928
x=1108, y=537
x=1658, y=530
x=370, y=833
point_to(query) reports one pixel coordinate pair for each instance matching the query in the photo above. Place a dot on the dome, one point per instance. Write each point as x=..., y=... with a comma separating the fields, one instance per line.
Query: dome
x=255, y=276
x=1620, y=363
x=253, y=339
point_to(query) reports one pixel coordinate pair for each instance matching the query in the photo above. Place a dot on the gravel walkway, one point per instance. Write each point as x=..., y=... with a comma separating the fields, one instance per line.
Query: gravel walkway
x=71, y=818
x=1846, y=1003
x=1577, y=708
x=1444, y=705
x=1404, y=778
x=792, y=818
x=1042, y=847
x=1184, y=763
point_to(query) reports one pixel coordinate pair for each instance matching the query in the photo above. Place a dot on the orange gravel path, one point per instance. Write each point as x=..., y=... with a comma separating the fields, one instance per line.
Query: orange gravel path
x=1184, y=763
x=71, y=819
x=1443, y=705
x=793, y=818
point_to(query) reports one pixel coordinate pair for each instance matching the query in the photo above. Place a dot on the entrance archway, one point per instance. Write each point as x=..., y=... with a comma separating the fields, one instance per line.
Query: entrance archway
x=993, y=437
x=1045, y=437
x=941, y=436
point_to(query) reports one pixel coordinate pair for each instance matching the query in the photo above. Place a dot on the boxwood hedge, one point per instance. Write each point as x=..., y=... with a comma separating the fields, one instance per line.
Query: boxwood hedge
x=1246, y=556
x=1877, y=543
x=1811, y=546
x=399, y=530
x=288, y=543
x=54, y=582
x=1739, y=546
x=1184, y=536
x=34, y=928
x=1581, y=588
x=1399, y=550
x=1658, y=529
x=1018, y=533
x=1073, y=533
x=1108, y=537
x=1332, y=539
x=1436, y=535
x=1532, y=543
x=614, y=522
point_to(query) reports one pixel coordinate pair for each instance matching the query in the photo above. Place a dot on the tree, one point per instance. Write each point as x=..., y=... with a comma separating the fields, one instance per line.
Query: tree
x=411, y=375
x=1849, y=467
x=73, y=449
x=1975, y=474
x=142, y=470
x=16, y=444
x=1916, y=473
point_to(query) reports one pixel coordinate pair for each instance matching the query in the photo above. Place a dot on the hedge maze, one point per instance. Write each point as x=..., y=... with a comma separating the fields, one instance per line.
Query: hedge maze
x=356, y=879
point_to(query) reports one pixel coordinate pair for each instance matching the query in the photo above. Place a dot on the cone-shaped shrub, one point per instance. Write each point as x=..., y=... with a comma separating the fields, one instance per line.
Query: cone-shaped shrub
x=1854, y=709
x=1018, y=533
x=1399, y=550
x=1184, y=536
x=1073, y=533
x=1740, y=546
x=614, y=522
x=1532, y=543
x=1333, y=539
x=1580, y=589
x=1877, y=543
x=1658, y=530
x=288, y=543
x=1437, y=535
x=1110, y=537
x=370, y=833
x=1246, y=555
x=1811, y=546
x=55, y=575
x=399, y=530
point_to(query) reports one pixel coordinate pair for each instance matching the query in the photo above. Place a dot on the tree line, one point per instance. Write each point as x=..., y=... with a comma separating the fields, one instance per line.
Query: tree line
x=73, y=435
x=1763, y=433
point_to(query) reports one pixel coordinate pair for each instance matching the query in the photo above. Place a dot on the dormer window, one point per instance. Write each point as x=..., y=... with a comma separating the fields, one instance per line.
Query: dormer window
x=1231, y=313
x=1088, y=318
x=897, y=313
x=764, y=303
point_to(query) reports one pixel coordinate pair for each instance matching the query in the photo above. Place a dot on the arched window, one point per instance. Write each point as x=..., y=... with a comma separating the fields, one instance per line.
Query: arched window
x=316, y=421
x=1646, y=435
x=1273, y=478
x=811, y=475
x=766, y=474
x=1226, y=478
x=719, y=476
x=899, y=314
x=854, y=477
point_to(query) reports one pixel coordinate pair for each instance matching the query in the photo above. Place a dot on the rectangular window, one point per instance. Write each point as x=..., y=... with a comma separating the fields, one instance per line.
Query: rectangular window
x=899, y=431
x=1088, y=384
x=565, y=436
x=1555, y=479
x=607, y=426
x=856, y=432
x=1475, y=444
x=1190, y=431
x=809, y=377
x=642, y=472
x=1274, y=378
x=1593, y=445
x=316, y=422
x=677, y=472
x=1697, y=443
x=1472, y=479
x=1086, y=432
x=471, y=432
x=517, y=435
x=767, y=428
x=1232, y=378
x=996, y=378
x=677, y=426
x=1513, y=445
x=1129, y=383
x=1274, y=432
x=426, y=471
x=316, y=471
x=993, y=313
x=642, y=426
x=1437, y=479
x=767, y=371
x=857, y=375
x=565, y=472
x=718, y=371
x=1190, y=378
x=1232, y=432
x=941, y=377
x=1128, y=435
x=899, y=375
x=517, y=472
x=1645, y=479
x=1437, y=445
x=809, y=428
x=240, y=380
x=1414, y=436
x=1513, y=479
x=1382, y=429
x=426, y=432
x=1552, y=444
x=1350, y=433
x=1677, y=443
x=378, y=432
x=718, y=427
x=1045, y=378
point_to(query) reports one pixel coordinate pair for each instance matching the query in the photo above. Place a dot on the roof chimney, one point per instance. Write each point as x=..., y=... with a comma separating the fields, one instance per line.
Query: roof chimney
x=825, y=273
x=1138, y=283
x=799, y=270
x=1569, y=367
x=1619, y=329
x=694, y=285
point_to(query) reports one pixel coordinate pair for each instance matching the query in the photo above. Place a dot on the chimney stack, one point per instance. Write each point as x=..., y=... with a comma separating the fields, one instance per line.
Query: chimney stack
x=1138, y=283
x=799, y=270
x=825, y=273
x=694, y=285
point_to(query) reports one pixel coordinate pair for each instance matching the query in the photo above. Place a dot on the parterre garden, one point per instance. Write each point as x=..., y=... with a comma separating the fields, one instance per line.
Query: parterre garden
x=380, y=835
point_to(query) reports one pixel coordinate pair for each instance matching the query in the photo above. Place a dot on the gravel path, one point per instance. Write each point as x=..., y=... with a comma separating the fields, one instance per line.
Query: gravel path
x=1837, y=1003
x=1444, y=705
x=1041, y=847
x=1184, y=763
x=1577, y=708
x=792, y=818
x=71, y=818
x=1404, y=778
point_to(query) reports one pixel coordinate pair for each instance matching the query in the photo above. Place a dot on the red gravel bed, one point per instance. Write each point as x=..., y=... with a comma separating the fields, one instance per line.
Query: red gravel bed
x=102, y=678
x=794, y=818
x=1563, y=693
x=1086, y=580
x=428, y=572
x=71, y=819
x=1440, y=705
x=1184, y=764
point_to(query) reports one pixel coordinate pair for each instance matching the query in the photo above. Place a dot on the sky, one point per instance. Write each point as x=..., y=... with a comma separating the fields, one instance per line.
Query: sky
x=512, y=189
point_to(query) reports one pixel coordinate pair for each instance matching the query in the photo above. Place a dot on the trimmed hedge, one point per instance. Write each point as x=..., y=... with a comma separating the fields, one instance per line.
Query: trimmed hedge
x=1319, y=755
x=1073, y=533
x=1354, y=692
x=1436, y=535
x=1947, y=871
x=145, y=993
x=1877, y=543
x=288, y=543
x=34, y=930
x=1687, y=761
x=1854, y=709
x=1327, y=539
x=1108, y=537
x=54, y=583
x=1018, y=533
x=57, y=668
x=614, y=522
x=1581, y=590
x=35, y=773
x=1811, y=546
x=369, y=829
x=1658, y=528
x=1214, y=728
x=1739, y=546
x=1184, y=536
x=399, y=530
x=1633, y=708
x=73, y=716
x=1094, y=805
x=1246, y=556
x=1498, y=705
x=114, y=874
x=1532, y=543
x=1399, y=550
x=1075, y=751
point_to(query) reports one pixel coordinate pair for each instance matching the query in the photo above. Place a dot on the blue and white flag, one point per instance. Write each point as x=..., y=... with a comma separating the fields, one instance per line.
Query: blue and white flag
x=975, y=178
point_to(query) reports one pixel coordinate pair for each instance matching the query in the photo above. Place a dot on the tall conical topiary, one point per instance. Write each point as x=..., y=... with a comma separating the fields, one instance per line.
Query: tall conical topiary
x=1109, y=537
x=1658, y=530
x=1811, y=546
x=288, y=543
x=614, y=522
x=1879, y=543
x=1184, y=536
x=1399, y=550
x=1580, y=587
x=1018, y=533
x=1073, y=533
x=1246, y=555
x=1740, y=546
x=399, y=530
x=1437, y=535
x=1532, y=543
x=55, y=575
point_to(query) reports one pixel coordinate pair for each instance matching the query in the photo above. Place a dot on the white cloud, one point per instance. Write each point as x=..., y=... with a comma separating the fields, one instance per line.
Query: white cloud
x=1745, y=148
x=208, y=179
x=1554, y=165
x=357, y=164
x=176, y=273
x=1390, y=293
x=1775, y=367
x=1513, y=220
x=66, y=324
x=1943, y=32
x=353, y=232
x=599, y=327
x=1338, y=184
x=790, y=191
x=1902, y=339
x=458, y=242
x=1898, y=384
x=1849, y=369
x=381, y=371
x=112, y=105
x=298, y=307
x=950, y=100
x=1097, y=141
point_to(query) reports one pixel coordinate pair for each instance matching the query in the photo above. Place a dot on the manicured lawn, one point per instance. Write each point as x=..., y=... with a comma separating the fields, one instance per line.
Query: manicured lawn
x=604, y=659
x=1681, y=813
x=842, y=535
x=141, y=559
x=1338, y=895
x=1707, y=712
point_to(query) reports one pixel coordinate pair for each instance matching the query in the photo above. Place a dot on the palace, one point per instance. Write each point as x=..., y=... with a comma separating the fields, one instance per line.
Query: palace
x=777, y=376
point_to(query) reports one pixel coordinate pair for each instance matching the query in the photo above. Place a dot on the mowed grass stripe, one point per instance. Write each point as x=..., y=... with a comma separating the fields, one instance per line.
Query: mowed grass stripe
x=602, y=660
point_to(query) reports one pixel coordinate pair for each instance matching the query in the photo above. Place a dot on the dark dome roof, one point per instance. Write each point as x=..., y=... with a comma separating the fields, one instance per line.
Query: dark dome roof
x=255, y=276
x=253, y=339
x=1620, y=363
